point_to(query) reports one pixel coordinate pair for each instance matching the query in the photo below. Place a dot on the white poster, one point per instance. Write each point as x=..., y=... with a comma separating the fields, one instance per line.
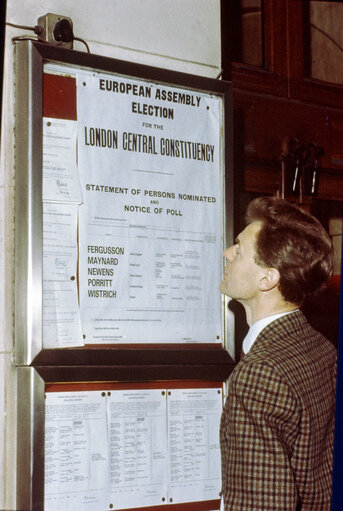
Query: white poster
x=61, y=314
x=151, y=226
x=60, y=178
x=193, y=444
x=137, y=425
x=76, y=452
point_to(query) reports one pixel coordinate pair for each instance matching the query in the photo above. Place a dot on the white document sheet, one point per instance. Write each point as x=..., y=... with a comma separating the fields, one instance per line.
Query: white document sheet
x=76, y=452
x=151, y=222
x=193, y=444
x=61, y=314
x=138, y=448
x=60, y=175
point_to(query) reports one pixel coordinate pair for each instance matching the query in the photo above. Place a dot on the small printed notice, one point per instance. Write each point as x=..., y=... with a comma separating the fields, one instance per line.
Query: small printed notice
x=124, y=449
x=76, y=452
x=138, y=448
x=194, y=450
x=60, y=176
x=61, y=314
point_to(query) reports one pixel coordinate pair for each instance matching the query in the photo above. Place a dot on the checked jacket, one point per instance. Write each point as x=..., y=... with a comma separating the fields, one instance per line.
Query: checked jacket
x=277, y=426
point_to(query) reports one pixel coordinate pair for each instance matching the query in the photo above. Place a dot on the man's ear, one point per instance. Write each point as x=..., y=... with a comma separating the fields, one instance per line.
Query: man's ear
x=269, y=279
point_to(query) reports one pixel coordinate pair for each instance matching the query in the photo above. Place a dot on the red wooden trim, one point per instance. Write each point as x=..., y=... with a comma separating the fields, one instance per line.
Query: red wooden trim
x=208, y=505
x=59, y=97
x=335, y=282
x=155, y=346
x=275, y=37
x=301, y=86
x=272, y=78
x=258, y=80
x=87, y=386
x=321, y=93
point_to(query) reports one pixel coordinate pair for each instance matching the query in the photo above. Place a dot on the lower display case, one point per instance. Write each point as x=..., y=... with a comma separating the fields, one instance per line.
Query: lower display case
x=109, y=445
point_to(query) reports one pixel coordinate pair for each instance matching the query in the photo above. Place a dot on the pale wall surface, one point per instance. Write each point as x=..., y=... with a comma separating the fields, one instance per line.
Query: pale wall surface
x=182, y=35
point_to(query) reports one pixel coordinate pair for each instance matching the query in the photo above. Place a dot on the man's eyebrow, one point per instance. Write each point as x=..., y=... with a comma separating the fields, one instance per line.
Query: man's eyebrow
x=237, y=242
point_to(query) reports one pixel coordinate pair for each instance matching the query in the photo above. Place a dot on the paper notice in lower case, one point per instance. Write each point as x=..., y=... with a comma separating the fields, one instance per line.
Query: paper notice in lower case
x=61, y=315
x=124, y=449
x=194, y=451
x=76, y=452
x=138, y=448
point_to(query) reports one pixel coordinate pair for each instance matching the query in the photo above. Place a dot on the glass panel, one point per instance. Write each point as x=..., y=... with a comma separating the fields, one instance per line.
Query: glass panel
x=247, y=32
x=323, y=41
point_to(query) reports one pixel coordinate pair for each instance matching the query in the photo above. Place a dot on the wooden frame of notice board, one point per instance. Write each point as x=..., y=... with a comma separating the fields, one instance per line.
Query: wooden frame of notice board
x=51, y=94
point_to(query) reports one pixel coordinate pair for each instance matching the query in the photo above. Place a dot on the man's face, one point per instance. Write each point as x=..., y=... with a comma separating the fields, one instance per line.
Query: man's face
x=241, y=276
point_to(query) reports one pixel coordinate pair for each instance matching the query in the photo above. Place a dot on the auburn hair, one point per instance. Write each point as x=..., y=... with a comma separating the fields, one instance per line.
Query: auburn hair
x=295, y=243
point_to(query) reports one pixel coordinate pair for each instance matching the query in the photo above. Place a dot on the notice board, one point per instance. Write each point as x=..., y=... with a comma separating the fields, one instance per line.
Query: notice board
x=107, y=445
x=138, y=174
x=121, y=205
x=120, y=446
x=124, y=204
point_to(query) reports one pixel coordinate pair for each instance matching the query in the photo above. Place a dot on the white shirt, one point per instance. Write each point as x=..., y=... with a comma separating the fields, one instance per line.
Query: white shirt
x=257, y=327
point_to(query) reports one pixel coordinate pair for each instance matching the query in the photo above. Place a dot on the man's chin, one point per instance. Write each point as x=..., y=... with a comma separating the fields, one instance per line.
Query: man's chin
x=223, y=288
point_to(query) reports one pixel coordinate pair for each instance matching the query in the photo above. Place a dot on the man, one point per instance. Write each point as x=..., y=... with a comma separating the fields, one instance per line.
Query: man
x=278, y=422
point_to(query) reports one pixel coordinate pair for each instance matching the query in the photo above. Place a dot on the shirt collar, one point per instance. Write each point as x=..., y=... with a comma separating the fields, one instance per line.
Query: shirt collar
x=257, y=327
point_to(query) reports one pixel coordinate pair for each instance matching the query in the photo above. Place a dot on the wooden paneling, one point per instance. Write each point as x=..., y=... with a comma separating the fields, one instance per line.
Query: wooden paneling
x=280, y=101
x=265, y=121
